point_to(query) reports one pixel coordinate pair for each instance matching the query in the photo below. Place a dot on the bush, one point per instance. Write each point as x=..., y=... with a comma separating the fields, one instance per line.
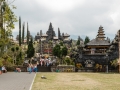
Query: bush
x=79, y=65
x=10, y=68
x=68, y=61
x=1, y=62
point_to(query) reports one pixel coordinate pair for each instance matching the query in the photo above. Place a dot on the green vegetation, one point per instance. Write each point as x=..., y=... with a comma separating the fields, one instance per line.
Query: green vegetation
x=28, y=34
x=19, y=31
x=78, y=41
x=87, y=39
x=114, y=63
x=60, y=51
x=31, y=49
x=7, y=19
x=23, y=32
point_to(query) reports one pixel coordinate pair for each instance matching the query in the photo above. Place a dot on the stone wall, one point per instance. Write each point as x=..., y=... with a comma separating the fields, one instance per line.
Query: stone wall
x=63, y=68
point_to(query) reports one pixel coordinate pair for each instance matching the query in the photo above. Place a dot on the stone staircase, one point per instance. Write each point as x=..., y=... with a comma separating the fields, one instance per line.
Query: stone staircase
x=43, y=68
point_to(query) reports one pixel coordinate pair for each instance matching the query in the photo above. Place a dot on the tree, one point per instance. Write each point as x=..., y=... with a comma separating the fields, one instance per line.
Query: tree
x=23, y=30
x=86, y=40
x=60, y=51
x=19, y=31
x=7, y=19
x=57, y=50
x=15, y=53
x=30, y=50
x=64, y=51
x=78, y=41
x=28, y=34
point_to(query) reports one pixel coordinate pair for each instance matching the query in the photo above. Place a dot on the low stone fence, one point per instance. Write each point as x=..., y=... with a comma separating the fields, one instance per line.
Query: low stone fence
x=63, y=68
x=23, y=68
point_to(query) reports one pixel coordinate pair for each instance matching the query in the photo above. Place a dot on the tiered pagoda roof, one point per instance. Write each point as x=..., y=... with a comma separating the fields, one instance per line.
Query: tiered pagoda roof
x=98, y=42
x=101, y=35
x=100, y=39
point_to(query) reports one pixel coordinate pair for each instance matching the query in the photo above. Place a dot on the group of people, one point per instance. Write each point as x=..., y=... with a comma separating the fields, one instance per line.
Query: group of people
x=32, y=68
x=45, y=61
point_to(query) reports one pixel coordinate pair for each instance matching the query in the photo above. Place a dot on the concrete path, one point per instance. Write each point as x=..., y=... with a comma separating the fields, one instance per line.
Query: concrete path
x=16, y=81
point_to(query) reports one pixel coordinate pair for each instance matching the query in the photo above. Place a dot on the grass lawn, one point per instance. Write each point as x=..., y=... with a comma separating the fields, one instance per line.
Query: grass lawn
x=77, y=81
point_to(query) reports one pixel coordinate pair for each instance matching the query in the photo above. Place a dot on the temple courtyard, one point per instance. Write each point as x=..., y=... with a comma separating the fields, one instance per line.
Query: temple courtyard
x=77, y=81
x=59, y=81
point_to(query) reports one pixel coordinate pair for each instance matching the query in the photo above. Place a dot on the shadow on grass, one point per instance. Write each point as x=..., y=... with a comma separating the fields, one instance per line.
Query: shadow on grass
x=78, y=80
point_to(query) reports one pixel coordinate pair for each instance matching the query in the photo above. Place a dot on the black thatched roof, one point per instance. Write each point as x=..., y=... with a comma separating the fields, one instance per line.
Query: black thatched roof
x=98, y=42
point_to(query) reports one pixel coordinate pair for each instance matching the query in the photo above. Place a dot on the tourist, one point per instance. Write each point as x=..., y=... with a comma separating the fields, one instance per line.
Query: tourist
x=4, y=69
x=35, y=68
x=30, y=68
x=47, y=62
x=18, y=70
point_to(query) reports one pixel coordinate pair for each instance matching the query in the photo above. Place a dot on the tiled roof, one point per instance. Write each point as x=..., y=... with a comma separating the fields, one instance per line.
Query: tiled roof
x=98, y=42
x=66, y=34
x=44, y=35
x=55, y=37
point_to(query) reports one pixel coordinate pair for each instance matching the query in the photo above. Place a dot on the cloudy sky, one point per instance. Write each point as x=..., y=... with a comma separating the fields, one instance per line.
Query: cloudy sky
x=75, y=17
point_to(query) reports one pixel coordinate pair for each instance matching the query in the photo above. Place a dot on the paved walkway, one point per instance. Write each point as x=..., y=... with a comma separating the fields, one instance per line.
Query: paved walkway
x=16, y=81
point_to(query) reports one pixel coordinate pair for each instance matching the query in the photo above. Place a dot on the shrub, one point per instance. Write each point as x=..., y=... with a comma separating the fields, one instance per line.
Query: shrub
x=79, y=65
x=1, y=62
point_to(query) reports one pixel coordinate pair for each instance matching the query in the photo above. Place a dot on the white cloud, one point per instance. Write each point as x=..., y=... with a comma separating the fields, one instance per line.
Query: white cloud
x=60, y=5
x=75, y=17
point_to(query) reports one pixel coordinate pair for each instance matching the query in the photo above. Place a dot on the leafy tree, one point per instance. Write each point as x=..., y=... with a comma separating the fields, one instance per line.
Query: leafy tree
x=86, y=40
x=15, y=53
x=64, y=51
x=61, y=43
x=57, y=50
x=7, y=19
x=60, y=51
x=30, y=50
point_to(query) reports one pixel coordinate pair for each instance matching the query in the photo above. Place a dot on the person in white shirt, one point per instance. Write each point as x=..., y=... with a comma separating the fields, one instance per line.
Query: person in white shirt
x=4, y=69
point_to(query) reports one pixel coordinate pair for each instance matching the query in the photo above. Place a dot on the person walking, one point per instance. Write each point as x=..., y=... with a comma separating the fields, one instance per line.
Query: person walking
x=30, y=68
x=35, y=68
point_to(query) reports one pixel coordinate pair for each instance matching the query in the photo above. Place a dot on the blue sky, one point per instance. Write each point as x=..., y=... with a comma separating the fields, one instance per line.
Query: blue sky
x=75, y=17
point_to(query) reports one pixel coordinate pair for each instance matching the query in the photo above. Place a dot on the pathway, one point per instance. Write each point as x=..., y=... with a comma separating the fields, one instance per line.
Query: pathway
x=16, y=81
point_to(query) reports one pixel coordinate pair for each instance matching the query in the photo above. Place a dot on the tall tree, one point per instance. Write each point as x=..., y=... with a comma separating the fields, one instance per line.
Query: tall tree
x=28, y=34
x=87, y=39
x=78, y=41
x=19, y=31
x=23, y=30
x=30, y=50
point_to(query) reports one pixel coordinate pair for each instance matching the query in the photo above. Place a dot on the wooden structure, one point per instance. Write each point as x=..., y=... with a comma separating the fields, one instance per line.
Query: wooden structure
x=99, y=45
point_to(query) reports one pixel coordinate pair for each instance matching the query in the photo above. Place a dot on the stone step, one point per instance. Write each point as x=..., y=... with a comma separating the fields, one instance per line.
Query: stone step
x=43, y=68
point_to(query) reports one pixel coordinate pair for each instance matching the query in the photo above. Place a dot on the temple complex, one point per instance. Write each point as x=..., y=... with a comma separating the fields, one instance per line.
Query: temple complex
x=98, y=51
x=49, y=39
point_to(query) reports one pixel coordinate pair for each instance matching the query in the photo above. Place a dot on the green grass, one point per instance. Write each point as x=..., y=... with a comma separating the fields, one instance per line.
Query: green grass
x=77, y=81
